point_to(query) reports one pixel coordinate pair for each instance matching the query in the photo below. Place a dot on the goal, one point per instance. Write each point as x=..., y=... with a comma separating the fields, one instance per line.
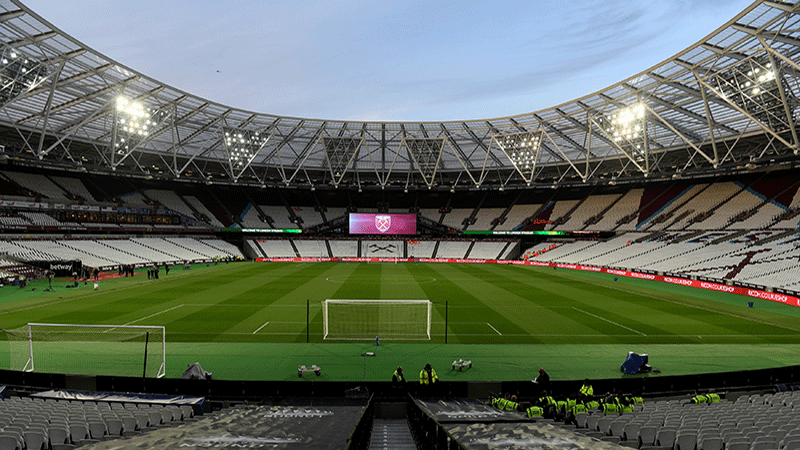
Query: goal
x=121, y=350
x=366, y=319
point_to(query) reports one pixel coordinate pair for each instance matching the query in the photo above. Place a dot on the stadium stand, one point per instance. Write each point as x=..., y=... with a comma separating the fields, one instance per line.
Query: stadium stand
x=279, y=215
x=345, y=248
x=484, y=218
x=627, y=205
x=421, y=249
x=456, y=217
x=198, y=206
x=311, y=248
x=277, y=248
x=559, y=213
x=516, y=215
x=39, y=184
x=589, y=208
x=452, y=249
x=75, y=187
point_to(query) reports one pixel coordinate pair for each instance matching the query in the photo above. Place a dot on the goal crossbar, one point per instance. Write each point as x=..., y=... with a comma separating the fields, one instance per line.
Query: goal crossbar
x=150, y=329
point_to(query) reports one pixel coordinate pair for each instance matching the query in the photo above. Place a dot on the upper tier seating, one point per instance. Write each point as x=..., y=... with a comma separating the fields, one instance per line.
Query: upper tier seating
x=484, y=218
x=516, y=216
x=38, y=183
x=559, y=210
x=590, y=207
x=76, y=187
x=628, y=204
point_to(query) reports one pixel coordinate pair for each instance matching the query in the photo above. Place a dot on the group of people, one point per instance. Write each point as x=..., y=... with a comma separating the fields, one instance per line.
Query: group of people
x=427, y=376
x=566, y=408
x=153, y=272
x=126, y=270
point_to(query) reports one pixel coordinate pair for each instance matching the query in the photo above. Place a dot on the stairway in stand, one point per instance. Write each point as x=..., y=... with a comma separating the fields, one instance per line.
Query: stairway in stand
x=391, y=434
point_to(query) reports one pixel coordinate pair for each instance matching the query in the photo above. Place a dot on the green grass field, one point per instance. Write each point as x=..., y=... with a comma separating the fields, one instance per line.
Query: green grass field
x=248, y=321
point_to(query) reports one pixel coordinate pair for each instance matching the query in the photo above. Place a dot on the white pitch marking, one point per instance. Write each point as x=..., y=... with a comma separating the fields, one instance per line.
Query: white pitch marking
x=609, y=321
x=495, y=329
x=152, y=315
x=259, y=328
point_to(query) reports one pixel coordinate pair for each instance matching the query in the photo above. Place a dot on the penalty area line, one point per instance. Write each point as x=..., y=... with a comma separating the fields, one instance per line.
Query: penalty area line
x=259, y=328
x=495, y=329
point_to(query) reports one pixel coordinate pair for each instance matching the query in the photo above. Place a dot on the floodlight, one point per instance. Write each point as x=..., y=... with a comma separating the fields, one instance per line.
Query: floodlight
x=756, y=87
x=521, y=148
x=627, y=124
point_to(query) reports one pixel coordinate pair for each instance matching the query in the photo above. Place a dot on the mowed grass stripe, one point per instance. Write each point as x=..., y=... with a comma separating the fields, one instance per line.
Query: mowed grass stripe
x=118, y=301
x=554, y=319
x=621, y=312
x=671, y=312
x=261, y=292
x=463, y=293
x=709, y=318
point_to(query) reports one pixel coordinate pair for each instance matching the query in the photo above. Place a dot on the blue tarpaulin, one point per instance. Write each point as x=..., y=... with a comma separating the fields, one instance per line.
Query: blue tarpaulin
x=635, y=363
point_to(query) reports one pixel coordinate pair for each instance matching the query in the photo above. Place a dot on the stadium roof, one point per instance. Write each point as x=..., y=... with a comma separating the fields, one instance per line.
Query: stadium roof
x=728, y=102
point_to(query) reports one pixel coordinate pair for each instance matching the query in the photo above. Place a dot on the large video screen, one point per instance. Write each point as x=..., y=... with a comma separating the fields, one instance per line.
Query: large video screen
x=383, y=224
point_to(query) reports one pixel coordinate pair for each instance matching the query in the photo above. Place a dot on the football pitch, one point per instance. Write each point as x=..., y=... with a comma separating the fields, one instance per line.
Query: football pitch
x=248, y=321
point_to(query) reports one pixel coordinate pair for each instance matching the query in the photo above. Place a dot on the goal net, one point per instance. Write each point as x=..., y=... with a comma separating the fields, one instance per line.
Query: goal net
x=120, y=350
x=366, y=319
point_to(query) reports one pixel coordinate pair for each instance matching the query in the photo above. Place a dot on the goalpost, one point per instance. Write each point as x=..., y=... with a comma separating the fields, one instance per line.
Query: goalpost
x=366, y=319
x=121, y=350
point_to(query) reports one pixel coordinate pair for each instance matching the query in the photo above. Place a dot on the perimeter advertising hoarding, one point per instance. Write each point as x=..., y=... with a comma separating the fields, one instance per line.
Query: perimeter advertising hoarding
x=383, y=224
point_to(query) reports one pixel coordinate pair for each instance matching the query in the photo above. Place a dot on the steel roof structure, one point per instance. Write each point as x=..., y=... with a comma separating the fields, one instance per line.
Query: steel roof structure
x=730, y=100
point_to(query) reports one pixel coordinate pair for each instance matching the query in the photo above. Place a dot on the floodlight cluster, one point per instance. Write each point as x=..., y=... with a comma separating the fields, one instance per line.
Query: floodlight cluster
x=19, y=73
x=243, y=145
x=627, y=124
x=521, y=148
x=134, y=123
x=755, y=81
x=755, y=86
x=133, y=117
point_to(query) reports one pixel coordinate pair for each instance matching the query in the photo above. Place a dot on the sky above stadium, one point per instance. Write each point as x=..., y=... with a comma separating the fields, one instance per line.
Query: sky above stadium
x=428, y=60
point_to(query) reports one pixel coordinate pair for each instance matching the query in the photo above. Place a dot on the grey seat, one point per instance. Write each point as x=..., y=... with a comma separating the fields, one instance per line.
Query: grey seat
x=156, y=418
x=665, y=437
x=647, y=435
x=711, y=443
x=115, y=427
x=631, y=431
x=686, y=441
x=617, y=428
x=97, y=429
x=189, y=412
x=34, y=439
x=9, y=443
x=130, y=425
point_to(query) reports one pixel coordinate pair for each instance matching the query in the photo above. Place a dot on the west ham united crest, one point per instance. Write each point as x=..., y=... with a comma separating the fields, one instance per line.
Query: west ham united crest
x=383, y=223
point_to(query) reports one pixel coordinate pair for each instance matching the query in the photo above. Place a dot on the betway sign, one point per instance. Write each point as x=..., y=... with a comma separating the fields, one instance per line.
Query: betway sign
x=748, y=292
